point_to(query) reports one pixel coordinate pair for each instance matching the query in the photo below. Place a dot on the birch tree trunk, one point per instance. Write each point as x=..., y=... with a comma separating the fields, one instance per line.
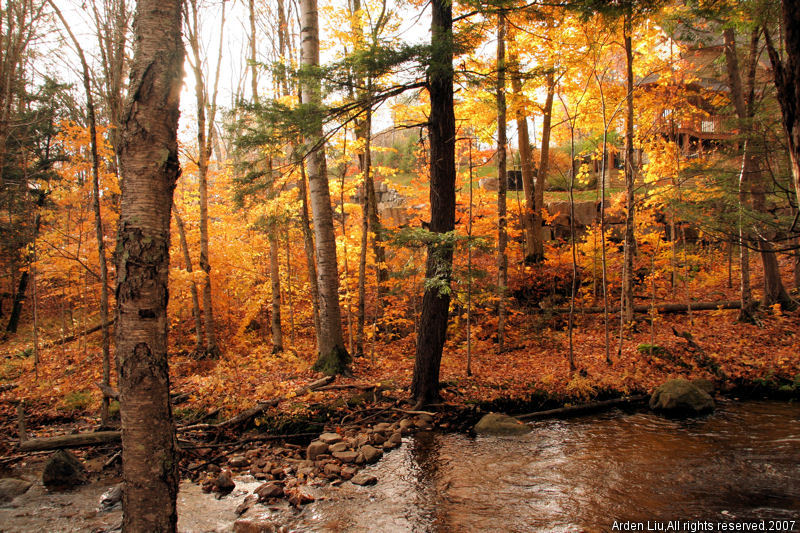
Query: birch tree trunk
x=150, y=168
x=333, y=357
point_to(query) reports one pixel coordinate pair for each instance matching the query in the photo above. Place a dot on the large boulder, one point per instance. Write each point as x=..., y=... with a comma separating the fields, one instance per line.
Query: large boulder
x=500, y=424
x=63, y=471
x=11, y=487
x=681, y=397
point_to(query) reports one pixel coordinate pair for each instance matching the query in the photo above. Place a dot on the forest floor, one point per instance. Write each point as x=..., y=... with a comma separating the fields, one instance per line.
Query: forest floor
x=60, y=396
x=533, y=372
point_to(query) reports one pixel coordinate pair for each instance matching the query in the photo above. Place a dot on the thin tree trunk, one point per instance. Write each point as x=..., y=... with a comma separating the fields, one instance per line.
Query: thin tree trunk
x=745, y=296
x=333, y=357
x=149, y=166
x=526, y=163
x=438, y=270
x=17, y=302
x=366, y=168
x=502, y=233
x=603, y=176
x=537, y=245
x=275, y=281
x=289, y=295
x=346, y=264
x=204, y=149
x=98, y=221
x=469, y=265
x=187, y=261
x=630, y=238
x=308, y=247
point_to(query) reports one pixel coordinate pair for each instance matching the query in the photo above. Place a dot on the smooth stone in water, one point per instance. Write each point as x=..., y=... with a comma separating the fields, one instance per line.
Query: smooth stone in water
x=370, y=453
x=500, y=424
x=63, y=471
x=364, y=479
x=681, y=397
x=10, y=488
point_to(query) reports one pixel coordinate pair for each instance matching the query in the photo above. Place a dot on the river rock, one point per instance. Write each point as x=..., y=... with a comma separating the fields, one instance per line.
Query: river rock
x=10, y=488
x=363, y=479
x=330, y=438
x=63, y=471
x=224, y=483
x=394, y=440
x=299, y=496
x=405, y=426
x=370, y=453
x=238, y=461
x=246, y=504
x=332, y=470
x=268, y=490
x=378, y=438
x=315, y=449
x=705, y=385
x=111, y=498
x=338, y=447
x=346, y=456
x=500, y=424
x=681, y=397
x=254, y=525
x=348, y=472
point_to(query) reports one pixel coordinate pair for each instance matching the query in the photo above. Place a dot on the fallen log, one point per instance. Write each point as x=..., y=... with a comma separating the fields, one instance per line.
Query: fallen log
x=580, y=410
x=348, y=386
x=70, y=441
x=661, y=308
x=259, y=408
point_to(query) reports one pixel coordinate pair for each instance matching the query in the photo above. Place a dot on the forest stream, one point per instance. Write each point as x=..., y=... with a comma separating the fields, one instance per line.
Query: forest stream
x=739, y=464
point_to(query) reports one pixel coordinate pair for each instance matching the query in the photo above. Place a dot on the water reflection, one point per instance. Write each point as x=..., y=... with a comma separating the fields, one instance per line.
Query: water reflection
x=740, y=463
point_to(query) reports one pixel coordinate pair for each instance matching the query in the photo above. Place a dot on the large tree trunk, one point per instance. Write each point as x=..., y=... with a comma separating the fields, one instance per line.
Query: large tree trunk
x=787, y=82
x=333, y=357
x=442, y=132
x=537, y=246
x=744, y=103
x=150, y=168
x=502, y=187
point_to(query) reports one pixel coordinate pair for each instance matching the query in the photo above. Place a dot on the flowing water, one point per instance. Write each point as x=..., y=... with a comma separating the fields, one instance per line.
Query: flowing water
x=740, y=464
